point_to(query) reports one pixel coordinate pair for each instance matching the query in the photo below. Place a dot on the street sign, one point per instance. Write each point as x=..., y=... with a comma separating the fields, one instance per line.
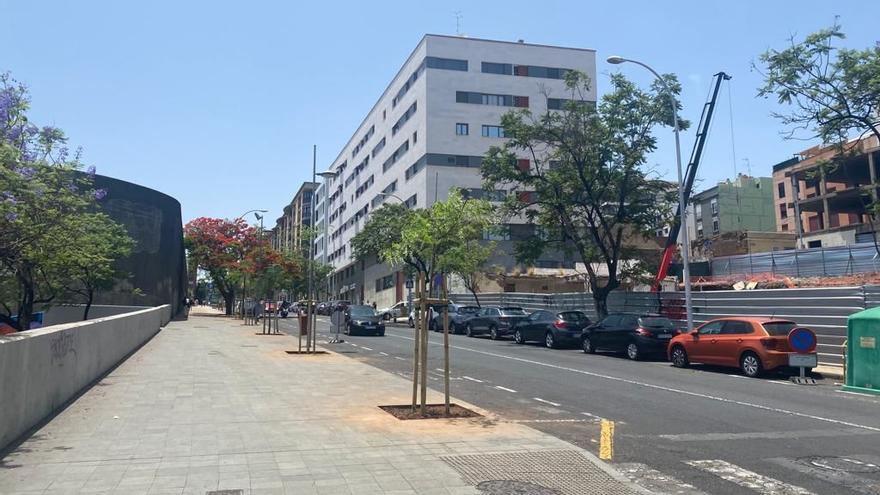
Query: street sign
x=803, y=360
x=802, y=340
x=409, y=284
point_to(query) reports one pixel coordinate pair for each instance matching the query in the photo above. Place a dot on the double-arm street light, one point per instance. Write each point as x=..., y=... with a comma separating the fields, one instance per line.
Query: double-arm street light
x=685, y=243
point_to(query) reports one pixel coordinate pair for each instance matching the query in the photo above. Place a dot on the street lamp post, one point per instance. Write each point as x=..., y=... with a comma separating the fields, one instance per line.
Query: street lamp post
x=327, y=175
x=685, y=243
x=256, y=212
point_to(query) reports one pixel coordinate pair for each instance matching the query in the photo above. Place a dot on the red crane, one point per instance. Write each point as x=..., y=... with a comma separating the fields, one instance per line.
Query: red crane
x=690, y=174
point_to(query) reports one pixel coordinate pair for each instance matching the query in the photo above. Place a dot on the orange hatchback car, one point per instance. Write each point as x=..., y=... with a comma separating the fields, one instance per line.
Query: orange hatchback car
x=753, y=345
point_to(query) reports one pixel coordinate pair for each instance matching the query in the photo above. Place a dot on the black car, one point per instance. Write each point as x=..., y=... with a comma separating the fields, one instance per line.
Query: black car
x=636, y=335
x=494, y=320
x=363, y=319
x=458, y=316
x=553, y=328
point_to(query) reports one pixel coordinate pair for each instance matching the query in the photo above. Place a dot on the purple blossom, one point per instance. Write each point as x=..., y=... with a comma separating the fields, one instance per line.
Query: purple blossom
x=91, y=172
x=28, y=155
x=11, y=216
x=14, y=132
x=100, y=194
x=26, y=172
x=63, y=153
x=9, y=197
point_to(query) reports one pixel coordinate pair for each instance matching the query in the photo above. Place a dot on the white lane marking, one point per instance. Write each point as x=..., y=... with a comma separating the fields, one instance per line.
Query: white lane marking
x=546, y=401
x=748, y=479
x=499, y=387
x=441, y=370
x=398, y=357
x=472, y=379
x=383, y=353
x=366, y=348
x=655, y=481
x=665, y=389
x=354, y=345
x=589, y=415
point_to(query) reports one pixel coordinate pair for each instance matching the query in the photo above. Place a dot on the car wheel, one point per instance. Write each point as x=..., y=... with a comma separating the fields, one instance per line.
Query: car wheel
x=381, y=333
x=468, y=330
x=633, y=352
x=750, y=364
x=587, y=346
x=411, y=323
x=549, y=341
x=386, y=317
x=679, y=357
x=518, y=338
x=493, y=333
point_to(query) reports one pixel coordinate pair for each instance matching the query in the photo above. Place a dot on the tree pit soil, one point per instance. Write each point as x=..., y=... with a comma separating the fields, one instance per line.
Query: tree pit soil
x=432, y=411
x=306, y=353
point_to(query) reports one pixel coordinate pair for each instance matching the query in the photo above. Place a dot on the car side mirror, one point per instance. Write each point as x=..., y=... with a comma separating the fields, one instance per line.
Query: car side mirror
x=695, y=334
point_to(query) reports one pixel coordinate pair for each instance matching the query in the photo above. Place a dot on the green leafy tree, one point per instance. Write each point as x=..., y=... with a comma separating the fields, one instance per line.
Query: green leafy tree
x=580, y=176
x=91, y=268
x=830, y=92
x=43, y=201
x=468, y=262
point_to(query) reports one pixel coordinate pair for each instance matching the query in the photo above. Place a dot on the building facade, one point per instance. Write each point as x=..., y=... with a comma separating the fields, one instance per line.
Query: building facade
x=290, y=228
x=823, y=196
x=427, y=134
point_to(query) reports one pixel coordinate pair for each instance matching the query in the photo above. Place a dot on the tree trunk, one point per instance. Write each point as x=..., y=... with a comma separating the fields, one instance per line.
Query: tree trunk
x=600, y=299
x=26, y=311
x=474, y=292
x=89, y=298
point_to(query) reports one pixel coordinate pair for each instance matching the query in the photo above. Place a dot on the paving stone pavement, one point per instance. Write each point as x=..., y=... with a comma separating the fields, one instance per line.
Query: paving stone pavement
x=207, y=405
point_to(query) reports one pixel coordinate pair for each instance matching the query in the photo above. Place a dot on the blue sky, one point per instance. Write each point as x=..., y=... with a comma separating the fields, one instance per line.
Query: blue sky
x=218, y=103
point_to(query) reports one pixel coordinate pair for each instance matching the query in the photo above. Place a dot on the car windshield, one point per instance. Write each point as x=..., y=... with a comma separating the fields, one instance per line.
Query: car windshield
x=513, y=311
x=655, y=322
x=468, y=310
x=573, y=316
x=779, y=327
x=362, y=311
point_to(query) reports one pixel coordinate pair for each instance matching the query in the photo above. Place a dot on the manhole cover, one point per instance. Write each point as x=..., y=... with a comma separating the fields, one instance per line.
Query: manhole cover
x=843, y=464
x=564, y=472
x=510, y=487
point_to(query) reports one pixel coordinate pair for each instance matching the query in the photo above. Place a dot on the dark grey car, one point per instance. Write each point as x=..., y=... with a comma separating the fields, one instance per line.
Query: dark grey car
x=495, y=321
x=458, y=316
x=363, y=319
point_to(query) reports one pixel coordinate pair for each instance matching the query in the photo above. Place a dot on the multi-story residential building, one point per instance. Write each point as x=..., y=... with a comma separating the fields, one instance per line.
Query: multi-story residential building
x=426, y=134
x=734, y=209
x=828, y=193
x=289, y=230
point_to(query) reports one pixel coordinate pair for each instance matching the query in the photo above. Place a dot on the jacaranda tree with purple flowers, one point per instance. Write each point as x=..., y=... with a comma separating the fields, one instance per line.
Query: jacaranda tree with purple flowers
x=49, y=213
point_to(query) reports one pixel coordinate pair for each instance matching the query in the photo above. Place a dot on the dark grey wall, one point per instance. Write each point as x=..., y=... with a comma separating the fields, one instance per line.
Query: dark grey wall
x=157, y=263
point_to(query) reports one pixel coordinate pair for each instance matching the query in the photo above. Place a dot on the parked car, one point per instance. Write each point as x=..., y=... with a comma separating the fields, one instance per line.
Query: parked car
x=754, y=345
x=326, y=308
x=458, y=316
x=433, y=309
x=553, y=328
x=363, y=319
x=494, y=320
x=633, y=334
x=395, y=311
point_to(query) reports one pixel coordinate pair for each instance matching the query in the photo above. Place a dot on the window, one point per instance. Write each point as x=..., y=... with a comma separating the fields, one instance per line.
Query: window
x=415, y=137
x=499, y=233
x=446, y=63
x=491, y=99
x=565, y=104
x=408, y=84
x=783, y=211
x=523, y=165
x=403, y=118
x=736, y=327
x=454, y=160
x=715, y=227
x=539, y=71
x=399, y=152
x=713, y=203
x=698, y=210
x=611, y=321
x=461, y=129
x=496, y=68
x=378, y=147
x=814, y=244
x=778, y=327
x=384, y=283
x=712, y=328
x=699, y=228
x=780, y=188
x=476, y=193
x=494, y=131
x=785, y=227
x=413, y=169
x=411, y=201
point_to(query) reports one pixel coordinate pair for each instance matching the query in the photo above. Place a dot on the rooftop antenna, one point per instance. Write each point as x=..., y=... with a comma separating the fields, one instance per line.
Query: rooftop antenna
x=748, y=166
x=458, y=17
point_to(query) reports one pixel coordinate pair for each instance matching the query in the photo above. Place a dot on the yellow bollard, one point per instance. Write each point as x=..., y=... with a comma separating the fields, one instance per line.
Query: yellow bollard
x=606, y=440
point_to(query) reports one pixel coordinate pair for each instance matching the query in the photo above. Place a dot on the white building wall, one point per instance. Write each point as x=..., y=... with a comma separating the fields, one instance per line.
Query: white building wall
x=434, y=122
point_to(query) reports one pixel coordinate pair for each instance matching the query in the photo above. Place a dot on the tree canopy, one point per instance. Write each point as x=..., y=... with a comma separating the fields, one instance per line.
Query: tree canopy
x=580, y=176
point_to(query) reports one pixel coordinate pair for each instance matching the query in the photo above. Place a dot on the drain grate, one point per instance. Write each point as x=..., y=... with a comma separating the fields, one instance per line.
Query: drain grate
x=507, y=487
x=225, y=492
x=564, y=472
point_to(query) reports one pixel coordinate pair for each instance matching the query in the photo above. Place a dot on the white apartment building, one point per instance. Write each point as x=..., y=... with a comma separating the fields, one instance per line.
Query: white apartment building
x=426, y=134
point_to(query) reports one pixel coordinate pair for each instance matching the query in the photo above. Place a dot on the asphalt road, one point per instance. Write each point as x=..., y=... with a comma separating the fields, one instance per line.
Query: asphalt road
x=698, y=430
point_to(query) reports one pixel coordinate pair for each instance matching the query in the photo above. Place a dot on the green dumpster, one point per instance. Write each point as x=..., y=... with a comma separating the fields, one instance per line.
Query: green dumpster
x=863, y=351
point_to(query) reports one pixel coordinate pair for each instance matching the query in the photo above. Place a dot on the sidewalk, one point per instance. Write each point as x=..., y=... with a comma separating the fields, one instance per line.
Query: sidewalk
x=207, y=405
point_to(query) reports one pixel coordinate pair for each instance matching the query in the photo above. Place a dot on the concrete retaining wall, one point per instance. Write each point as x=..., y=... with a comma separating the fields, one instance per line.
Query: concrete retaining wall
x=70, y=313
x=40, y=370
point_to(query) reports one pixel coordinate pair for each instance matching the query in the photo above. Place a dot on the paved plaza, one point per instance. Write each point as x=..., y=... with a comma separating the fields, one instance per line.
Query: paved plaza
x=207, y=405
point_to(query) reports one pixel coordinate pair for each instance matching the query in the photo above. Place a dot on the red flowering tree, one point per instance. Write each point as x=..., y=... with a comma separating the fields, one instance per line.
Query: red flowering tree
x=219, y=247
